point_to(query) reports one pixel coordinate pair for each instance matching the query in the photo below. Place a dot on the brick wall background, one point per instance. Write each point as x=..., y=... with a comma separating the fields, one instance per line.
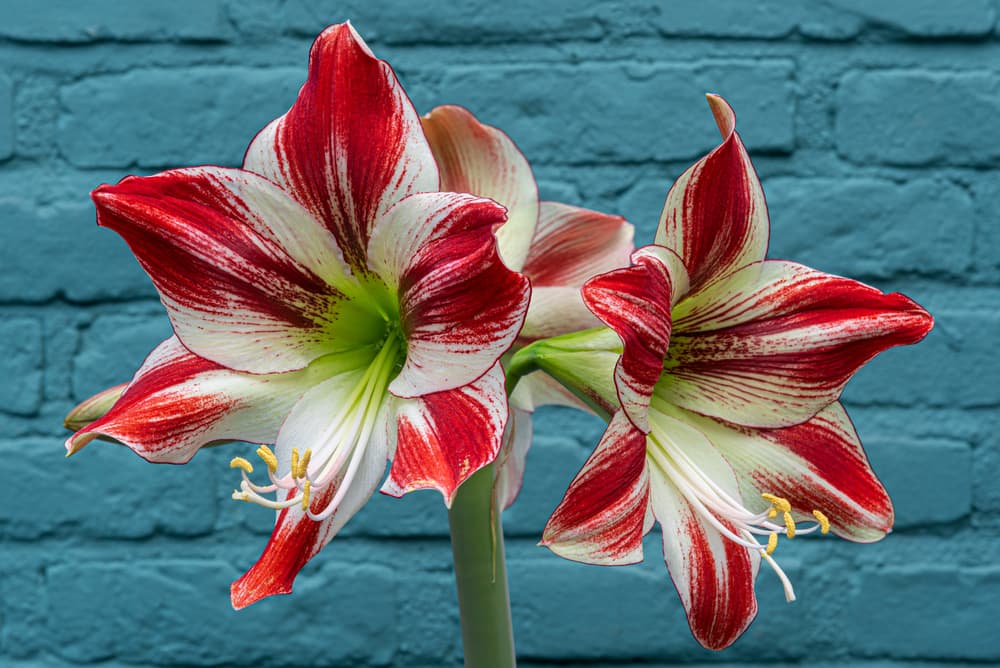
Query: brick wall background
x=875, y=126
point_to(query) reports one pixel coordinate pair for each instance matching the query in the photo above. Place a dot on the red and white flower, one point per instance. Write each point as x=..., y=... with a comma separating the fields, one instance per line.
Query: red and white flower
x=724, y=420
x=328, y=299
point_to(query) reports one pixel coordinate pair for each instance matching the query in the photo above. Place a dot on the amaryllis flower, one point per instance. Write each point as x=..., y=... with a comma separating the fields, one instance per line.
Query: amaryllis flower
x=725, y=425
x=327, y=299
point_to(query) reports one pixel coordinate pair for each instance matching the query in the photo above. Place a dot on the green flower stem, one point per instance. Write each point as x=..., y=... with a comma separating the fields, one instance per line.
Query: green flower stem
x=481, y=574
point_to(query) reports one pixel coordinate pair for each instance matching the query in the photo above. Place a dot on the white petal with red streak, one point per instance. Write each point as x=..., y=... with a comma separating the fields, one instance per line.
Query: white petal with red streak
x=480, y=159
x=351, y=146
x=773, y=343
x=513, y=457
x=715, y=217
x=817, y=465
x=444, y=437
x=601, y=518
x=178, y=402
x=250, y=280
x=714, y=575
x=296, y=538
x=461, y=307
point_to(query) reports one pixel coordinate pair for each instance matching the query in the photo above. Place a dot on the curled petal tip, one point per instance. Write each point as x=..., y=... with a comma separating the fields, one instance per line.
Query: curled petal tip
x=725, y=117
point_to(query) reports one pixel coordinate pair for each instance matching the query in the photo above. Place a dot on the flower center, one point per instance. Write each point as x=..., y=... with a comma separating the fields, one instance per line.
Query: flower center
x=350, y=433
x=726, y=513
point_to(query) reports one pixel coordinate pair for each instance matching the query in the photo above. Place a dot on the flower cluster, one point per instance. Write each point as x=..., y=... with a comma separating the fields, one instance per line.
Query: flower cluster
x=369, y=285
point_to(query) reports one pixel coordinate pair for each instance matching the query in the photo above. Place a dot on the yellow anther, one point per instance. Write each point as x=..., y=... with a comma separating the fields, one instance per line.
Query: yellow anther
x=304, y=465
x=789, y=526
x=772, y=543
x=295, y=462
x=772, y=513
x=240, y=463
x=240, y=495
x=824, y=521
x=305, y=495
x=265, y=453
x=778, y=502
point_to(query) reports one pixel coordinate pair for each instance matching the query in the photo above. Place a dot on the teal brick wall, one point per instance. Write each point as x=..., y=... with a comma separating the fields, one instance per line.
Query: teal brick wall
x=876, y=129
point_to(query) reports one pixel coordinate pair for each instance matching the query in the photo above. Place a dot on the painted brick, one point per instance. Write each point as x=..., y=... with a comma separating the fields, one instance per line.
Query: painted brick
x=113, y=348
x=171, y=118
x=6, y=118
x=22, y=607
x=412, y=22
x=872, y=228
x=183, y=608
x=93, y=264
x=598, y=113
x=87, y=494
x=986, y=469
x=954, y=366
x=987, y=221
x=902, y=625
x=918, y=117
x=21, y=365
x=721, y=18
x=924, y=18
x=99, y=20
x=929, y=482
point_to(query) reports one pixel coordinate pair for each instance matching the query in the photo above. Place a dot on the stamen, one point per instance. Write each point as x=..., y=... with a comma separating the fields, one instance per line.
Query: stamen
x=304, y=465
x=269, y=458
x=305, y=495
x=789, y=525
x=295, y=462
x=772, y=543
x=778, y=502
x=241, y=463
x=824, y=522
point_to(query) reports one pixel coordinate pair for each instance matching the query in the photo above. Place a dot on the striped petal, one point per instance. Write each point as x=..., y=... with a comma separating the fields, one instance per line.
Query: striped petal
x=247, y=275
x=179, y=402
x=297, y=538
x=715, y=217
x=445, y=437
x=816, y=465
x=351, y=146
x=713, y=575
x=482, y=160
x=571, y=245
x=513, y=457
x=601, y=518
x=774, y=343
x=461, y=307
x=635, y=302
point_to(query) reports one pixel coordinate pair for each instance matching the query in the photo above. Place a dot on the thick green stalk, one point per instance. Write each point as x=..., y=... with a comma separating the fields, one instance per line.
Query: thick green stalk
x=481, y=574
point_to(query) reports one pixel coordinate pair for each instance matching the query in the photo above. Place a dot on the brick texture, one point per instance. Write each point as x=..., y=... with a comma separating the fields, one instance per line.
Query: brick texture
x=873, y=126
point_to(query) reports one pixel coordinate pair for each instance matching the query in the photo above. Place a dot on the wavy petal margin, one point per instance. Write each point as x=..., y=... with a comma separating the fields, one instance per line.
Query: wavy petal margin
x=482, y=160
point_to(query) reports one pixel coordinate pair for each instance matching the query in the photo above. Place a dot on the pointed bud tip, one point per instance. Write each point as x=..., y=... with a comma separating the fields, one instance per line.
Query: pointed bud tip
x=724, y=115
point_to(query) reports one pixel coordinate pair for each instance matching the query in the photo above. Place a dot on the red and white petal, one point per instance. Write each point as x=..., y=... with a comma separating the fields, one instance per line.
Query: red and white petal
x=715, y=217
x=482, y=160
x=540, y=389
x=572, y=245
x=351, y=146
x=774, y=343
x=445, y=437
x=513, y=457
x=600, y=519
x=461, y=307
x=635, y=302
x=179, y=402
x=247, y=275
x=713, y=575
x=297, y=538
x=816, y=465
